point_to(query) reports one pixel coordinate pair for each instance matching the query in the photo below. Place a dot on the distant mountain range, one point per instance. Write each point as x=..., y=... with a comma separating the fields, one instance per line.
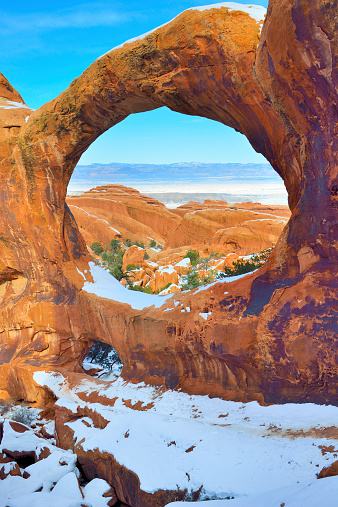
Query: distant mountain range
x=180, y=172
x=176, y=184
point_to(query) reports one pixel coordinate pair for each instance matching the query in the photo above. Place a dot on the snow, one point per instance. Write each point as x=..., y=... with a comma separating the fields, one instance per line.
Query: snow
x=257, y=12
x=94, y=216
x=205, y=315
x=11, y=104
x=93, y=492
x=278, y=220
x=50, y=482
x=167, y=269
x=184, y=263
x=107, y=286
x=180, y=441
x=22, y=442
x=316, y=493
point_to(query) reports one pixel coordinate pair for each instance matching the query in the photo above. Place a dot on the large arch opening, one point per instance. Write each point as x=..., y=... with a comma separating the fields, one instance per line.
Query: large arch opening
x=148, y=246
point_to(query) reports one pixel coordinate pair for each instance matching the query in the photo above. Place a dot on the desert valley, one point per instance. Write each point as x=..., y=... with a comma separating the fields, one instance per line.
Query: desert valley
x=154, y=355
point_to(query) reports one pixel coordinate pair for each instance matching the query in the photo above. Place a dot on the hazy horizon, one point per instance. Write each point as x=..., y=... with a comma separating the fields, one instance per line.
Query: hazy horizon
x=233, y=182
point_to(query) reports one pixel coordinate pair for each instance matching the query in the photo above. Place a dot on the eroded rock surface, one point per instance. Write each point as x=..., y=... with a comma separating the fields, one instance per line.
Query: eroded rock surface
x=270, y=336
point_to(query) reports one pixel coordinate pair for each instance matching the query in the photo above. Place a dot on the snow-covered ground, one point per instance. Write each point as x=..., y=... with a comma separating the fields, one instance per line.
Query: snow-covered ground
x=52, y=481
x=231, y=450
x=105, y=285
x=322, y=493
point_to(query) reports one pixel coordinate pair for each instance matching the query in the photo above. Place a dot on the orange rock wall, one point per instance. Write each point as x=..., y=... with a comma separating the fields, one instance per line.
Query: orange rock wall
x=270, y=336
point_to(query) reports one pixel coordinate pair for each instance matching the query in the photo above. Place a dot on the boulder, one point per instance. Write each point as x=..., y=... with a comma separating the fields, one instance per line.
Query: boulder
x=134, y=255
x=163, y=276
x=329, y=471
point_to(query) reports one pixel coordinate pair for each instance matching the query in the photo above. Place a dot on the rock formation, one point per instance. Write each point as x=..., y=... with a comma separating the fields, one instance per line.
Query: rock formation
x=115, y=211
x=128, y=213
x=213, y=227
x=270, y=336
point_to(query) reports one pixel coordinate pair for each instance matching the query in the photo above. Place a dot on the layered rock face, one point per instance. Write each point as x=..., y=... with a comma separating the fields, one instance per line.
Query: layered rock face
x=213, y=227
x=270, y=336
x=117, y=212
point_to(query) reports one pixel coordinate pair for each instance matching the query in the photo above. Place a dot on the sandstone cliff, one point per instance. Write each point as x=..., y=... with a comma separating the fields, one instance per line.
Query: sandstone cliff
x=269, y=336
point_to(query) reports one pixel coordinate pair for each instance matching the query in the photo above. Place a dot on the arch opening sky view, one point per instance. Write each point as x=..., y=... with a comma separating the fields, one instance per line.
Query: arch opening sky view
x=46, y=45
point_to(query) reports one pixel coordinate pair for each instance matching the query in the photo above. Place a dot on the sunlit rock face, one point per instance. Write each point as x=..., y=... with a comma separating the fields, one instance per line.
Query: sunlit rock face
x=270, y=336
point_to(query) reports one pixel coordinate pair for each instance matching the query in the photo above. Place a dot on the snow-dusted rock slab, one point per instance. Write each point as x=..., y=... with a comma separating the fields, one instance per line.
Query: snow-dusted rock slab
x=52, y=480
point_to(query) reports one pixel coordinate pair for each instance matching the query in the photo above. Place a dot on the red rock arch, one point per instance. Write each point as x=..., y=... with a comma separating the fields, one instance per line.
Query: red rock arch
x=279, y=90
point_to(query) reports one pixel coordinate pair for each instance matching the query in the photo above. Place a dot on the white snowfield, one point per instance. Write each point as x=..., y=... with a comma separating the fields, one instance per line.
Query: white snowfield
x=228, y=449
x=11, y=104
x=184, y=263
x=107, y=286
x=257, y=12
x=322, y=493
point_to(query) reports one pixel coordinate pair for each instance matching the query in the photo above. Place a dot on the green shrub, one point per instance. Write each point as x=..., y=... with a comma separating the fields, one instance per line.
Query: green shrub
x=112, y=261
x=152, y=244
x=127, y=242
x=242, y=266
x=163, y=288
x=131, y=267
x=115, y=245
x=190, y=280
x=194, y=256
x=97, y=247
x=103, y=355
x=146, y=256
x=139, y=289
x=116, y=272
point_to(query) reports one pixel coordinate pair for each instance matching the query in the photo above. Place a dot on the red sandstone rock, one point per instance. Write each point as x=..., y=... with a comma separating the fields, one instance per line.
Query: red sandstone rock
x=111, y=208
x=329, y=471
x=163, y=276
x=115, y=211
x=134, y=255
x=204, y=224
x=271, y=334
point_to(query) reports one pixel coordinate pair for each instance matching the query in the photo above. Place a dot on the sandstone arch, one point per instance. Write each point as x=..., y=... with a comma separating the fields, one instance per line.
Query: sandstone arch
x=272, y=335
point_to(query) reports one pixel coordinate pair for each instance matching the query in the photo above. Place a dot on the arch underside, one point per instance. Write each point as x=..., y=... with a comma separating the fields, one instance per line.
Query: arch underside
x=278, y=341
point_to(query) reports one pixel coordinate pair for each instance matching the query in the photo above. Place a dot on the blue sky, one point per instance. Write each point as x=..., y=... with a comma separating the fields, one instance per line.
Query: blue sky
x=45, y=45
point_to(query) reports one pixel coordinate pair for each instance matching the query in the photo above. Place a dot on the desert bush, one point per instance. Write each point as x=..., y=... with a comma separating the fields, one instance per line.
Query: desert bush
x=190, y=280
x=138, y=288
x=103, y=355
x=97, y=247
x=242, y=266
x=194, y=256
x=115, y=245
x=131, y=267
